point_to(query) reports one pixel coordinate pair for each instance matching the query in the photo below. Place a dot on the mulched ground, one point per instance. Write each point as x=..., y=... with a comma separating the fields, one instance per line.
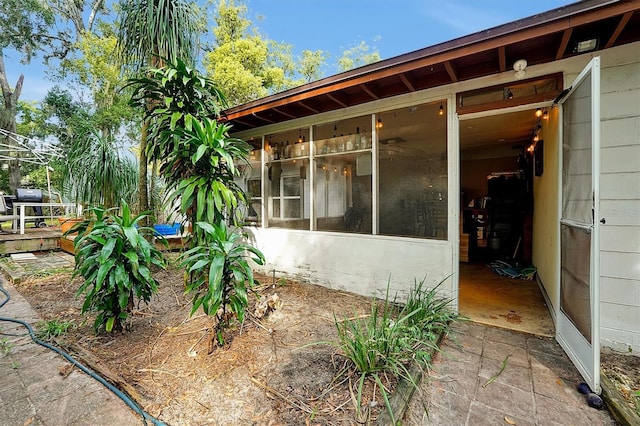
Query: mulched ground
x=271, y=372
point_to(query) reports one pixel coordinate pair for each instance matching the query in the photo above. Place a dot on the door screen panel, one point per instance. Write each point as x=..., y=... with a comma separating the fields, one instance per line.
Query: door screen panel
x=575, y=292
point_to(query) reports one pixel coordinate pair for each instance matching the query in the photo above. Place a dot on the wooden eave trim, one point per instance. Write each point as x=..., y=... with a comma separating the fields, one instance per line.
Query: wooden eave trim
x=410, y=64
x=507, y=103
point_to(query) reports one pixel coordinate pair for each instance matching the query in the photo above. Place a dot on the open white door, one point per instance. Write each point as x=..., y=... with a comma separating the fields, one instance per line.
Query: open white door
x=578, y=327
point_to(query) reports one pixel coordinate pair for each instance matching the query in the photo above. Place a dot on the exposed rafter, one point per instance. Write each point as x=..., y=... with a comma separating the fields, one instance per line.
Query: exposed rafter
x=623, y=23
x=540, y=39
x=368, y=91
x=305, y=106
x=451, y=71
x=566, y=36
x=502, y=58
x=335, y=99
x=408, y=83
x=279, y=111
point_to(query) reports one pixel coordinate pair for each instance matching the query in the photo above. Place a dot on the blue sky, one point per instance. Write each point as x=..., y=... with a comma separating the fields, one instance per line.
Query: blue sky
x=393, y=27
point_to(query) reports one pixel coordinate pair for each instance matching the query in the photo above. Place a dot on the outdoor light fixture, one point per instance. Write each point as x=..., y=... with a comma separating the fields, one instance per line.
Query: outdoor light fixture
x=539, y=112
x=379, y=124
x=508, y=94
x=299, y=136
x=519, y=68
x=545, y=114
x=441, y=109
x=586, y=45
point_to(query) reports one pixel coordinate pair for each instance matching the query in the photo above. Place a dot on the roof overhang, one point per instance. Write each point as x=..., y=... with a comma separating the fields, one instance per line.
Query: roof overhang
x=540, y=39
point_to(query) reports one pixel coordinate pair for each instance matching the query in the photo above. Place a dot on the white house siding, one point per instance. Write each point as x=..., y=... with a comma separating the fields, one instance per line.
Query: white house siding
x=619, y=194
x=362, y=264
x=620, y=199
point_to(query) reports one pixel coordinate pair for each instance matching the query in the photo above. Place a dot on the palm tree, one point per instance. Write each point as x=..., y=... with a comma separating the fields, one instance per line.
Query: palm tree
x=98, y=172
x=150, y=32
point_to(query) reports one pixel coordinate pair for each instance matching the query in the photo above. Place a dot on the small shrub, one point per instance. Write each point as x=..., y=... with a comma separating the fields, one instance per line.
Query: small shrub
x=114, y=257
x=220, y=273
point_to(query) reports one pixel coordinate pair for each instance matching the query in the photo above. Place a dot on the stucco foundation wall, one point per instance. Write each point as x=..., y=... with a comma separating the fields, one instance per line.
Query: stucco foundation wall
x=356, y=263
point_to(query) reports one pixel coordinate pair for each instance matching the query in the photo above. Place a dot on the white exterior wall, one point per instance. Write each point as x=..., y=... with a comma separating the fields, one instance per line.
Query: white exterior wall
x=620, y=201
x=619, y=194
x=362, y=264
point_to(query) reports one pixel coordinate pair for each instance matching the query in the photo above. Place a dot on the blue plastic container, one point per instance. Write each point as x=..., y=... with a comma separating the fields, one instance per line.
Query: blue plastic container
x=167, y=229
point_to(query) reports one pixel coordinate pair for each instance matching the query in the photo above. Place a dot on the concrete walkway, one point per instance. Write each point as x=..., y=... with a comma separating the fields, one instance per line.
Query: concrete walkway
x=536, y=387
x=32, y=389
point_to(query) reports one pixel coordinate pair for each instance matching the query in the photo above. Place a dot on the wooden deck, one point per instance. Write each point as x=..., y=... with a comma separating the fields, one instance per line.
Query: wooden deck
x=50, y=238
x=33, y=240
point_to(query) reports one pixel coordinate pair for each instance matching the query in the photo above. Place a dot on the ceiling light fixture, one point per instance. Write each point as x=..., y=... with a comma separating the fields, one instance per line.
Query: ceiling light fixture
x=299, y=136
x=539, y=112
x=545, y=114
x=379, y=124
x=441, y=109
x=519, y=68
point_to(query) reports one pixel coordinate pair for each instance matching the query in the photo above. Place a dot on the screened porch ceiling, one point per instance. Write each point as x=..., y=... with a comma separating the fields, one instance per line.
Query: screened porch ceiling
x=539, y=39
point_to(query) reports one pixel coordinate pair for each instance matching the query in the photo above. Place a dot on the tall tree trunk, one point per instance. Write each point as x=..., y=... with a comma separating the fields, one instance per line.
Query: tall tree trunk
x=8, y=119
x=153, y=190
x=143, y=194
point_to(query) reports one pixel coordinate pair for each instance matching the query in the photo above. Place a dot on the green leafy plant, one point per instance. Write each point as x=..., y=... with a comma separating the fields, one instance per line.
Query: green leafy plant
x=5, y=346
x=114, y=256
x=392, y=337
x=199, y=163
x=221, y=274
x=50, y=330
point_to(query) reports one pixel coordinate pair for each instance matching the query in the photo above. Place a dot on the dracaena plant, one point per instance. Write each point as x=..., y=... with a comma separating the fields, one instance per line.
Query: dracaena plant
x=198, y=160
x=221, y=274
x=114, y=257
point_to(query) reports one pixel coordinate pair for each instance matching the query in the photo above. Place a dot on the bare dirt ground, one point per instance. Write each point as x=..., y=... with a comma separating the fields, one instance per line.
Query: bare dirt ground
x=624, y=372
x=267, y=375
x=270, y=373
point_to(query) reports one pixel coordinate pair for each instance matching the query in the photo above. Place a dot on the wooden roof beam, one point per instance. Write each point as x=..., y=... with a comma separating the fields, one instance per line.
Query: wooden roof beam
x=408, y=83
x=502, y=58
x=335, y=99
x=279, y=111
x=451, y=71
x=368, y=91
x=566, y=36
x=244, y=123
x=262, y=118
x=304, y=105
x=623, y=23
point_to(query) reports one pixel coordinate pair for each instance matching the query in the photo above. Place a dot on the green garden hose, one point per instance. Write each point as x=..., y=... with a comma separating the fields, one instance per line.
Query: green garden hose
x=127, y=400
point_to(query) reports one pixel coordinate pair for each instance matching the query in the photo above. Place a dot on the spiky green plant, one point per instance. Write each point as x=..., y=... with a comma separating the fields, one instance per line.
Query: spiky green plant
x=114, y=256
x=221, y=273
x=393, y=337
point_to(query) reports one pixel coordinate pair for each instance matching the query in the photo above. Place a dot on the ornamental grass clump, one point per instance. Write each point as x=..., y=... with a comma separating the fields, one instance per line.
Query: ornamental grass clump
x=392, y=338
